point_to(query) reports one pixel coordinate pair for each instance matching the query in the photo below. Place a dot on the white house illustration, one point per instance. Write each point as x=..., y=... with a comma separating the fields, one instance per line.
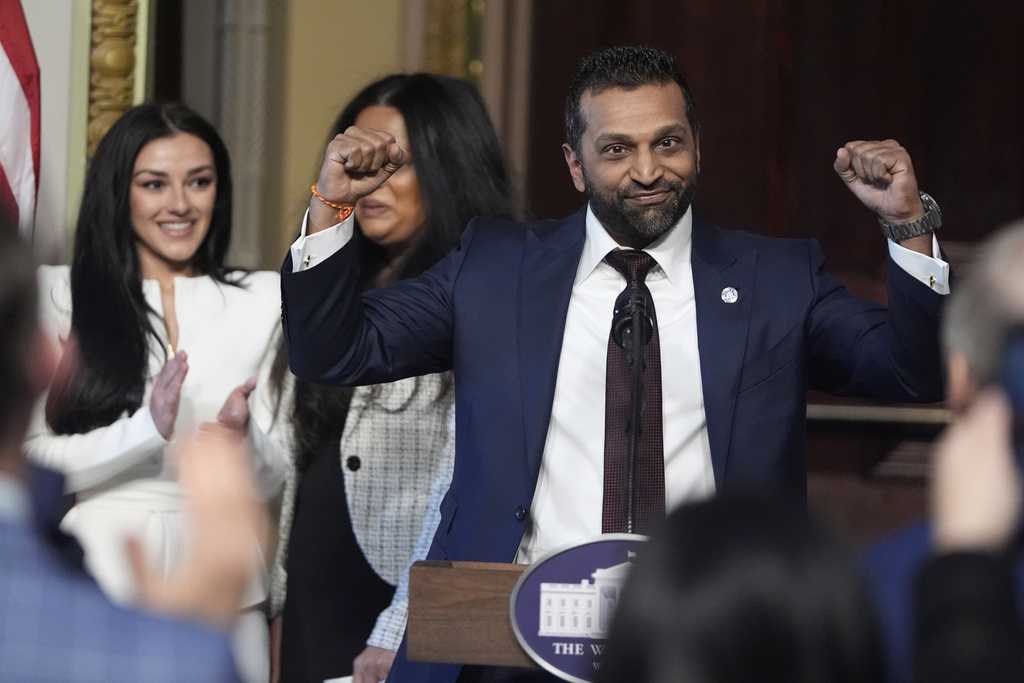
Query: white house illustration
x=584, y=609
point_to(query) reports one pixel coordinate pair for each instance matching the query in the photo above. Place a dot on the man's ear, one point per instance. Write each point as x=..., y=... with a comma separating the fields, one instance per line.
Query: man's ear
x=961, y=385
x=575, y=167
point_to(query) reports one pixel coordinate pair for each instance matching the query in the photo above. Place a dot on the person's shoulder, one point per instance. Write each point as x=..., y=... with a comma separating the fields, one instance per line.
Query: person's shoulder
x=746, y=238
x=497, y=227
x=209, y=655
x=54, y=293
x=153, y=647
x=55, y=271
x=53, y=278
x=259, y=281
x=261, y=288
x=79, y=620
x=783, y=254
x=514, y=230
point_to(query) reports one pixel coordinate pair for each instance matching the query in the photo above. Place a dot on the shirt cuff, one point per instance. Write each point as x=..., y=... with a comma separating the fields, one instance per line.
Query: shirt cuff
x=931, y=271
x=309, y=251
x=390, y=627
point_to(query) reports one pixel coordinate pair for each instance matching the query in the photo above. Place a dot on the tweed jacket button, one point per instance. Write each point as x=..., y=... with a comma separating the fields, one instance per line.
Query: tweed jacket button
x=353, y=463
x=520, y=513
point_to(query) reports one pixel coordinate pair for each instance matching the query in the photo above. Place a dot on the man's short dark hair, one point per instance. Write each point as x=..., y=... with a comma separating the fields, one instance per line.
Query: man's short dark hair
x=18, y=324
x=627, y=67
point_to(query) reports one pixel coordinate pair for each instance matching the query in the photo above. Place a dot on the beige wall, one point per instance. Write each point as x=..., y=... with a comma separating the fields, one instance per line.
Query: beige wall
x=331, y=48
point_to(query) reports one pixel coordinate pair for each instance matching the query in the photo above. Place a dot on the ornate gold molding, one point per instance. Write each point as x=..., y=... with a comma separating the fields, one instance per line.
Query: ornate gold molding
x=453, y=33
x=112, y=65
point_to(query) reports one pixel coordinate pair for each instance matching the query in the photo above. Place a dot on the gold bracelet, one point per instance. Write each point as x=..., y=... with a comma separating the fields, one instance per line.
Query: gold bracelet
x=344, y=210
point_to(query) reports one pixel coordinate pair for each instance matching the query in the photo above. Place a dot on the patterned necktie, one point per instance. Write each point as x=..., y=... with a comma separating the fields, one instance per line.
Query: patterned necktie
x=634, y=484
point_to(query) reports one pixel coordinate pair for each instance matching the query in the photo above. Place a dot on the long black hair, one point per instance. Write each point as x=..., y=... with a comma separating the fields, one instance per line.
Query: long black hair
x=742, y=589
x=110, y=318
x=461, y=173
x=458, y=162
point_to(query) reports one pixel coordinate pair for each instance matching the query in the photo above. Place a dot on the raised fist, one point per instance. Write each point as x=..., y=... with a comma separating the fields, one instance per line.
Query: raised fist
x=356, y=163
x=880, y=174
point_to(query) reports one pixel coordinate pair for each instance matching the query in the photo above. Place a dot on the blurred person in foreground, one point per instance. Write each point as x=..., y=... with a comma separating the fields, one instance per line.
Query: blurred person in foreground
x=167, y=336
x=743, y=589
x=57, y=625
x=987, y=306
x=966, y=616
x=371, y=464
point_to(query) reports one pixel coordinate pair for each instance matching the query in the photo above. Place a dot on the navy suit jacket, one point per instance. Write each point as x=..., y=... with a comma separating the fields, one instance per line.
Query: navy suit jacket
x=57, y=625
x=494, y=311
x=892, y=568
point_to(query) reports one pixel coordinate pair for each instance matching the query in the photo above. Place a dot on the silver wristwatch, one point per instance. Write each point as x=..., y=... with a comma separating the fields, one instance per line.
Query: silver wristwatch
x=929, y=222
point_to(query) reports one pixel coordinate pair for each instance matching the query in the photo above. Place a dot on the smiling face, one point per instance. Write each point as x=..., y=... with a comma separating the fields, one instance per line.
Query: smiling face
x=638, y=160
x=174, y=188
x=393, y=214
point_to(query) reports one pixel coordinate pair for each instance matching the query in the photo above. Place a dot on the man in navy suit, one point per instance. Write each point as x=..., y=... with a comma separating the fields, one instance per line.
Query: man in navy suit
x=523, y=315
x=987, y=307
x=55, y=622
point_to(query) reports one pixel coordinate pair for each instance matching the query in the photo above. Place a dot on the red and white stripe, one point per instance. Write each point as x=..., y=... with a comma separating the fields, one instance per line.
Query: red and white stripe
x=19, y=118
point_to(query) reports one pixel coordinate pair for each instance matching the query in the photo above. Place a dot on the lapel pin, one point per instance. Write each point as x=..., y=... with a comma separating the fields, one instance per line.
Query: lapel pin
x=730, y=295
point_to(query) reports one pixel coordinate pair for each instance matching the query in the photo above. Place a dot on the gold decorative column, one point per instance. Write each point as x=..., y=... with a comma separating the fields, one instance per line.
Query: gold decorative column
x=487, y=42
x=112, y=65
x=452, y=37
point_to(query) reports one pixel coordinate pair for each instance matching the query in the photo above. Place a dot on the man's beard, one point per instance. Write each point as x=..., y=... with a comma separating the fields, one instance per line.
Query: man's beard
x=640, y=224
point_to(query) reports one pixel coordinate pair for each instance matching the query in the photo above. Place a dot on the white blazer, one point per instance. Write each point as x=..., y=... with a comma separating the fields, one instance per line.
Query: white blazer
x=123, y=479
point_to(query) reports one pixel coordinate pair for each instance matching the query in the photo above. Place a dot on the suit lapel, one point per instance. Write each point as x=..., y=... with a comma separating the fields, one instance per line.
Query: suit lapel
x=551, y=256
x=721, y=331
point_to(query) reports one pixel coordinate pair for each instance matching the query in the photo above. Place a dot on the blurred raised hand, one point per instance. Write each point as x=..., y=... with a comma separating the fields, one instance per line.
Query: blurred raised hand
x=223, y=519
x=976, y=487
x=234, y=414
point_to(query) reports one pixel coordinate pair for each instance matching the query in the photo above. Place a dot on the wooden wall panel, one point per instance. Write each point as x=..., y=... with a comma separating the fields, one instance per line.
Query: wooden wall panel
x=779, y=85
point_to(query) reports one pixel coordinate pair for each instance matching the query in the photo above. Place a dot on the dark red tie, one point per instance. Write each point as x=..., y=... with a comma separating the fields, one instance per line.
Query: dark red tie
x=634, y=494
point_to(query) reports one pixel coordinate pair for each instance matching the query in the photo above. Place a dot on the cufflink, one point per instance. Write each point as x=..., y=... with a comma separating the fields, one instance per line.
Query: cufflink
x=730, y=295
x=931, y=281
x=305, y=261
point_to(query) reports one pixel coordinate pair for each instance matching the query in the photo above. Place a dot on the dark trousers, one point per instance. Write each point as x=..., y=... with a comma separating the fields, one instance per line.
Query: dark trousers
x=334, y=595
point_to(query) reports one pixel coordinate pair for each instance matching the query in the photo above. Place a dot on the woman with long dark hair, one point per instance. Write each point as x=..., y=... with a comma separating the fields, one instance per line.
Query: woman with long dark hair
x=367, y=458
x=160, y=335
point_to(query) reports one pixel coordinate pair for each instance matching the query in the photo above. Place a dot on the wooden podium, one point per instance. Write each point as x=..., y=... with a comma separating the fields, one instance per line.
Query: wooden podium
x=459, y=614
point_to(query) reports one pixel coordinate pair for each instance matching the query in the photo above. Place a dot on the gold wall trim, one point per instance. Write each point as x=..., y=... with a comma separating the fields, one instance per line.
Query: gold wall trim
x=452, y=37
x=78, y=117
x=112, y=62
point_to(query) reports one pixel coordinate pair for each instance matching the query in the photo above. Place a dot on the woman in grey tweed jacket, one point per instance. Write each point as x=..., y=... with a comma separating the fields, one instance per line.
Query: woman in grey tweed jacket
x=352, y=513
x=398, y=445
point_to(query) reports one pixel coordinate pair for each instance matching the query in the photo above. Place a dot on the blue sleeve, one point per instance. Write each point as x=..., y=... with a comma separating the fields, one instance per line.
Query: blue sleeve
x=861, y=348
x=336, y=335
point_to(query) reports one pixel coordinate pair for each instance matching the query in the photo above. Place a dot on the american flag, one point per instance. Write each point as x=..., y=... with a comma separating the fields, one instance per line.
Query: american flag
x=19, y=118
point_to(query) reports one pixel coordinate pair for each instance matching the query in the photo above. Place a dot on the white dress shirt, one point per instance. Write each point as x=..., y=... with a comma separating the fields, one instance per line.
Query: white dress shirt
x=568, y=499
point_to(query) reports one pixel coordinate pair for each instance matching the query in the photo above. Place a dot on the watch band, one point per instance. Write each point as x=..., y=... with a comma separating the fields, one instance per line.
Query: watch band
x=929, y=222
